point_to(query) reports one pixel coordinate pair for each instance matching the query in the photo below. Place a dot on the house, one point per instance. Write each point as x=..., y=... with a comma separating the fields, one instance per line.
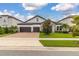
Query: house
x=8, y=21
x=34, y=24
x=66, y=20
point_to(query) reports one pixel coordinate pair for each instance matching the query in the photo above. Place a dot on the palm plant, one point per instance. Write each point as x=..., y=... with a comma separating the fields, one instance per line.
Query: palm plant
x=75, y=28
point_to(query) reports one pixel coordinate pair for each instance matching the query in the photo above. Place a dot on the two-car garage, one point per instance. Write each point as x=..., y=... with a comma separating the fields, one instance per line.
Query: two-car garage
x=29, y=29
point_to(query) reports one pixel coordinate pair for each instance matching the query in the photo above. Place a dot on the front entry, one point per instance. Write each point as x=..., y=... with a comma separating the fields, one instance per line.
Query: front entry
x=36, y=29
x=25, y=29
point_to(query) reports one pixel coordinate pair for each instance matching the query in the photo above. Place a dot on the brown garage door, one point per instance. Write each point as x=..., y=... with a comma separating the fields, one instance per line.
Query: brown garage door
x=25, y=29
x=36, y=29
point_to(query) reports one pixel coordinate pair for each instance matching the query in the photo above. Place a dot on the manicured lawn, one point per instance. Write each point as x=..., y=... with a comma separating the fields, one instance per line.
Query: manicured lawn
x=60, y=43
x=57, y=35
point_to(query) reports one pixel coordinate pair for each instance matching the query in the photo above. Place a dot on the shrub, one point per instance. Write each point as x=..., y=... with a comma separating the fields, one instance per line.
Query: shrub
x=2, y=30
x=13, y=29
x=6, y=29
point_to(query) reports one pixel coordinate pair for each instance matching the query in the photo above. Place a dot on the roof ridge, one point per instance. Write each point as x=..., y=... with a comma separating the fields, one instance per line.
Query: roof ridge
x=34, y=17
x=12, y=17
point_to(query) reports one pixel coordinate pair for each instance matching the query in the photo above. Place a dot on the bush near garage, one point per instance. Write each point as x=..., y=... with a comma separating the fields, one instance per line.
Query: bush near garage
x=6, y=30
x=13, y=29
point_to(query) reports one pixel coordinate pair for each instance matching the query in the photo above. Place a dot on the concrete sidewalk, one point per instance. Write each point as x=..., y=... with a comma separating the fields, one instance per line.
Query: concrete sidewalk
x=19, y=42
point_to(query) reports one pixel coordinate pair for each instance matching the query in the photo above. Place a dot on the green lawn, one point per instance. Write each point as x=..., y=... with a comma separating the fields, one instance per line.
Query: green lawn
x=57, y=35
x=60, y=43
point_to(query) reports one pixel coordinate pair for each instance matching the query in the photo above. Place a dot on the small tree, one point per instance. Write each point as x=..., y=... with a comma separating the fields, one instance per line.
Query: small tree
x=47, y=27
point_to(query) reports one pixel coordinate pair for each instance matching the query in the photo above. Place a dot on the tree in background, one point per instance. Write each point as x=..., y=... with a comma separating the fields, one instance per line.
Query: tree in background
x=47, y=27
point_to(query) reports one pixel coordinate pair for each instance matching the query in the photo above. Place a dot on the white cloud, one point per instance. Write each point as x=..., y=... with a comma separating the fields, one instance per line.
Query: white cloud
x=19, y=16
x=12, y=13
x=64, y=6
x=29, y=16
x=33, y=6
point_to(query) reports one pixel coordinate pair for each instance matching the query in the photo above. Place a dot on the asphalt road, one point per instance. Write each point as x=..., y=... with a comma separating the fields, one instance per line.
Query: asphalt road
x=37, y=53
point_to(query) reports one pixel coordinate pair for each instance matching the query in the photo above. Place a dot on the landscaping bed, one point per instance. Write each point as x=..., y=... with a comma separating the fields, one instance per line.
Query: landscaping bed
x=60, y=43
x=57, y=35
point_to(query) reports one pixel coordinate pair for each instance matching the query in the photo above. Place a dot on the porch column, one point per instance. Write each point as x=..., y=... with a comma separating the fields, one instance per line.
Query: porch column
x=18, y=29
x=53, y=29
x=31, y=29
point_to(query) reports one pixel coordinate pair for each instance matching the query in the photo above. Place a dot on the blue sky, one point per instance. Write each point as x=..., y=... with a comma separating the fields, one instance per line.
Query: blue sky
x=54, y=11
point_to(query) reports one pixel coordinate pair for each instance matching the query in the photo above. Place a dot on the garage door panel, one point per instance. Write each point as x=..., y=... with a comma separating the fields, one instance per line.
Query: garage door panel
x=25, y=29
x=36, y=29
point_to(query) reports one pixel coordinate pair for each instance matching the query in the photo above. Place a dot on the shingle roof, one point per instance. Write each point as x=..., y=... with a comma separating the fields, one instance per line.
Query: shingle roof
x=12, y=17
x=67, y=17
x=35, y=17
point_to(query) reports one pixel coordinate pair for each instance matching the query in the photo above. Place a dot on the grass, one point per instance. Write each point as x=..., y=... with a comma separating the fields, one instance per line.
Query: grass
x=57, y=35
x=2, y=35
x=60, y=43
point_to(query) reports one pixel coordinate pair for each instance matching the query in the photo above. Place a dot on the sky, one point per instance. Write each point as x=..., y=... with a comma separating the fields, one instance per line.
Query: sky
x=53, y=11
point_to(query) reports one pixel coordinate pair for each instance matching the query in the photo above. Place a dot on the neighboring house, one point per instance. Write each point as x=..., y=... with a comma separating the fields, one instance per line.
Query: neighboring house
x=8, y=21
x=34, y=24
x=67, y=20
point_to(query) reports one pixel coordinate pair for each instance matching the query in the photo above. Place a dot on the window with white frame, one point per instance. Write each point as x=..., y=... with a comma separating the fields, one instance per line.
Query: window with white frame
x=59, y=27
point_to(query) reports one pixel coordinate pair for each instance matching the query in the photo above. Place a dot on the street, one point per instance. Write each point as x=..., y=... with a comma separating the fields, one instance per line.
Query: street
x=37, y=53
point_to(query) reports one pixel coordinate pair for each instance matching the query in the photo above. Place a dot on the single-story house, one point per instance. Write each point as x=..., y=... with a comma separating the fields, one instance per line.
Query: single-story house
x=34, y=24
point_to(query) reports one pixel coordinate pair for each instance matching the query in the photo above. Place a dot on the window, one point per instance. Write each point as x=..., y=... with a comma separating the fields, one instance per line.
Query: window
x=60, y=27
x=57, y=27
x=37, y=19
x=4, y=20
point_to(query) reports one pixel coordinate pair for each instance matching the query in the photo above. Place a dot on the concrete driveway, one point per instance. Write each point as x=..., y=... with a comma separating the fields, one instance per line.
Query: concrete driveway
x=24, y=35
x=20, y=39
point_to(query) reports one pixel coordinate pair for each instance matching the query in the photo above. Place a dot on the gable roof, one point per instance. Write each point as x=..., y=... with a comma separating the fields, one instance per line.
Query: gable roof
x=12, y=17
x=65, y=18
x=35, y=17
x=70, y=16
x=29, y=23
